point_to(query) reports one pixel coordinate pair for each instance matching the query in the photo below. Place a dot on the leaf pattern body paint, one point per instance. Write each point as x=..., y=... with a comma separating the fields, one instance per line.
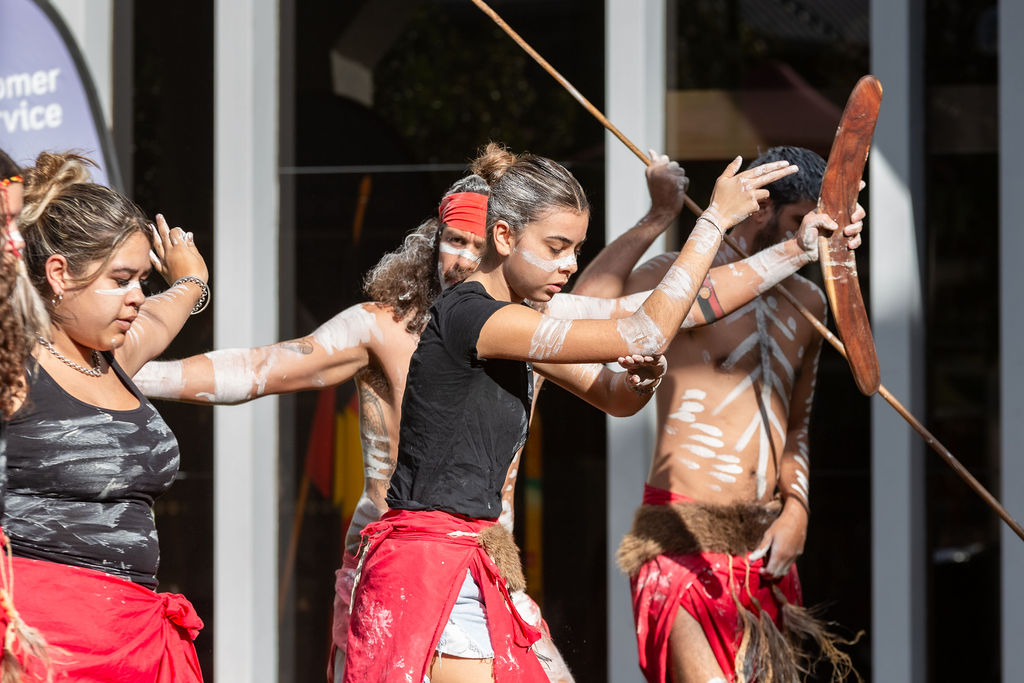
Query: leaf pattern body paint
x=734, y=404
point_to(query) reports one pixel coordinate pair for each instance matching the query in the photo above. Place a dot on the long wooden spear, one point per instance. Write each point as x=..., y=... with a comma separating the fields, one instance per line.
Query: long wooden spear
x=928, y=437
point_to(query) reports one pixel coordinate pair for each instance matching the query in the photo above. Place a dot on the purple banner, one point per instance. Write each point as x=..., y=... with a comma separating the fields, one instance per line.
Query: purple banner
x=47, y=98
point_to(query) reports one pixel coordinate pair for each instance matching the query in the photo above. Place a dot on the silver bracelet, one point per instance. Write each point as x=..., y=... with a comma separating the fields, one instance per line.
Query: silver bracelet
x=645, y=391
x=704, y=217
x=204, y=298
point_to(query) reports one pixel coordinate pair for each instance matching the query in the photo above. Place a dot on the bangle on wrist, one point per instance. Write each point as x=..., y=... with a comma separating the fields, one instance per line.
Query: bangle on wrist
x=204, y=298
x=645, y=390
x=706, y=217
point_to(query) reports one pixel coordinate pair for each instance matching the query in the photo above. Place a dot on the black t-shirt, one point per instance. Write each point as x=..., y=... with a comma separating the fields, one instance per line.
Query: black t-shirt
x=82, y=480
x=463, y=418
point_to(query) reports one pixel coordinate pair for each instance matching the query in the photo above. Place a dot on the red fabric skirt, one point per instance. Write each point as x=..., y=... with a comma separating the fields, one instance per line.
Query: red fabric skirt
x=102, y=628
x=344, y=578
x=412, y=568
x=704, y=585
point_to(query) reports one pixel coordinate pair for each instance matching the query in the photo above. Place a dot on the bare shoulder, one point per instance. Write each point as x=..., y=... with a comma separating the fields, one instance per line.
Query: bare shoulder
x=390, y=330
x=808, y=293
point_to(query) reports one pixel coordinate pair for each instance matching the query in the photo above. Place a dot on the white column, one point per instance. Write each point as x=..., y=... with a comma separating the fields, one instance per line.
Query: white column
x=1011, y=329
x=245, y=271
x=898, y=564
x=635, y=103
x=92, y=24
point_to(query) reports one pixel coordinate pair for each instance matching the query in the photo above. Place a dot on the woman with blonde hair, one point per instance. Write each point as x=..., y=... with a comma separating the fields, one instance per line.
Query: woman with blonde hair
x=432, y=597
x=87, y=454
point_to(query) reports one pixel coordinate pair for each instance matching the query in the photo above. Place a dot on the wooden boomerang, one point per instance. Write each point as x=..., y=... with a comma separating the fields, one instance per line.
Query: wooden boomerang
x=839, y=188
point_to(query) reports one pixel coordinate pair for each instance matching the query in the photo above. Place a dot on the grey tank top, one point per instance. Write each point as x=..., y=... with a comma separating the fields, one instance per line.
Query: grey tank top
x=81, y=480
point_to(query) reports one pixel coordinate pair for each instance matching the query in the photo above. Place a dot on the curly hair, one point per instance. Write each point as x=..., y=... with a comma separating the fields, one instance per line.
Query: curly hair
x=524, y=187
x=14, y=343
x=66, y=213
x=803, y=185
x=407, y=279
x=13, y=346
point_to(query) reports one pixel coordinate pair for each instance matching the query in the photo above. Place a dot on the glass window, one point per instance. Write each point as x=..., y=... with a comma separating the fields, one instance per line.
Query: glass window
x=963, y=374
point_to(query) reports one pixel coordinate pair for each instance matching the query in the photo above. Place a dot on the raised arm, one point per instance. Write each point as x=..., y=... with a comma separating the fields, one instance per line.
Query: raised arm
x=162, y=316
x=728, y=287
x=606, y=274
x=520, y=333
x=332, y=354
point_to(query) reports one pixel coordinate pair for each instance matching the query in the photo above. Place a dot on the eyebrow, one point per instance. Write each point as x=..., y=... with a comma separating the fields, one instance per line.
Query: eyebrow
x=126, y=270
x=565, y=240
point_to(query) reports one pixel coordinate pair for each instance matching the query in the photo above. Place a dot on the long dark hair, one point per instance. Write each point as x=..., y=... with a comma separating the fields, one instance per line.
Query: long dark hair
x=406, y=279
x=14, y=343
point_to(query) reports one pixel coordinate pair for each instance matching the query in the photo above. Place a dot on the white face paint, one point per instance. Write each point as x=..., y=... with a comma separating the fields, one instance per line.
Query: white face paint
x=468, y=254
x=547, y=265
x=120, y=291
x=548, y=338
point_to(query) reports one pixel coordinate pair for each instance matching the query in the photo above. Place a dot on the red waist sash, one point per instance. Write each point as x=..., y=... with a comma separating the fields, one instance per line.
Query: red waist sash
x=411, y=570
x=656, y=496
x=102, y=628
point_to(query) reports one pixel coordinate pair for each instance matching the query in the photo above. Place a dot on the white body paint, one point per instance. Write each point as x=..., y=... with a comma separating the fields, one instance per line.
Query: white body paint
x=677, y=284
x=232, y=375
x=549, y=337
x=161, y=379
x=352, y=327
x=575, y=307
x=641, y=334
x=727, y=426
x=705, y=236
x=774, y=265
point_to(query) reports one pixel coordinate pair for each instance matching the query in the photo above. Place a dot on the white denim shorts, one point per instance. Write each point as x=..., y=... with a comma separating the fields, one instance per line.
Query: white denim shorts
x=466, y=633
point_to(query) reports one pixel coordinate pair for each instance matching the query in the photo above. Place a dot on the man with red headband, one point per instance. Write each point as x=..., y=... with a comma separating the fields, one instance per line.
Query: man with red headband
x=372, y=342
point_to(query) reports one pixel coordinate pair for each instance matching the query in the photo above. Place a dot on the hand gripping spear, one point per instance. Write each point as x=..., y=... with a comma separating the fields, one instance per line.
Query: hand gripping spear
x=847, y=304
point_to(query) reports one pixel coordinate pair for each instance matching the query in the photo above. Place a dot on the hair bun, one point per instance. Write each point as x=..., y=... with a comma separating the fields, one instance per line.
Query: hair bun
x=51, y=175
x=492, y=162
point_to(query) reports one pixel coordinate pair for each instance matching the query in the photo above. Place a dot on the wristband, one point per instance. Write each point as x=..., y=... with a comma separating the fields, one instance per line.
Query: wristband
x=204, y=298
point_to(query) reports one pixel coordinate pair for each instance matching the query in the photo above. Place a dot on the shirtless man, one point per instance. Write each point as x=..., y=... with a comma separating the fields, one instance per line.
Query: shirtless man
x=372, y=342
x=731, y=451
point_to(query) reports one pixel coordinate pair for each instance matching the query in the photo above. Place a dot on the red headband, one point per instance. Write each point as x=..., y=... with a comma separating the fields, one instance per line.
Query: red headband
x=13, y=179
x=465, y=211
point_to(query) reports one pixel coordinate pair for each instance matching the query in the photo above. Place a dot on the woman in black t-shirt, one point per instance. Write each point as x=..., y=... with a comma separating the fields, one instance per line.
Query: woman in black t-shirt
x=87, y=454
x=432, y=597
